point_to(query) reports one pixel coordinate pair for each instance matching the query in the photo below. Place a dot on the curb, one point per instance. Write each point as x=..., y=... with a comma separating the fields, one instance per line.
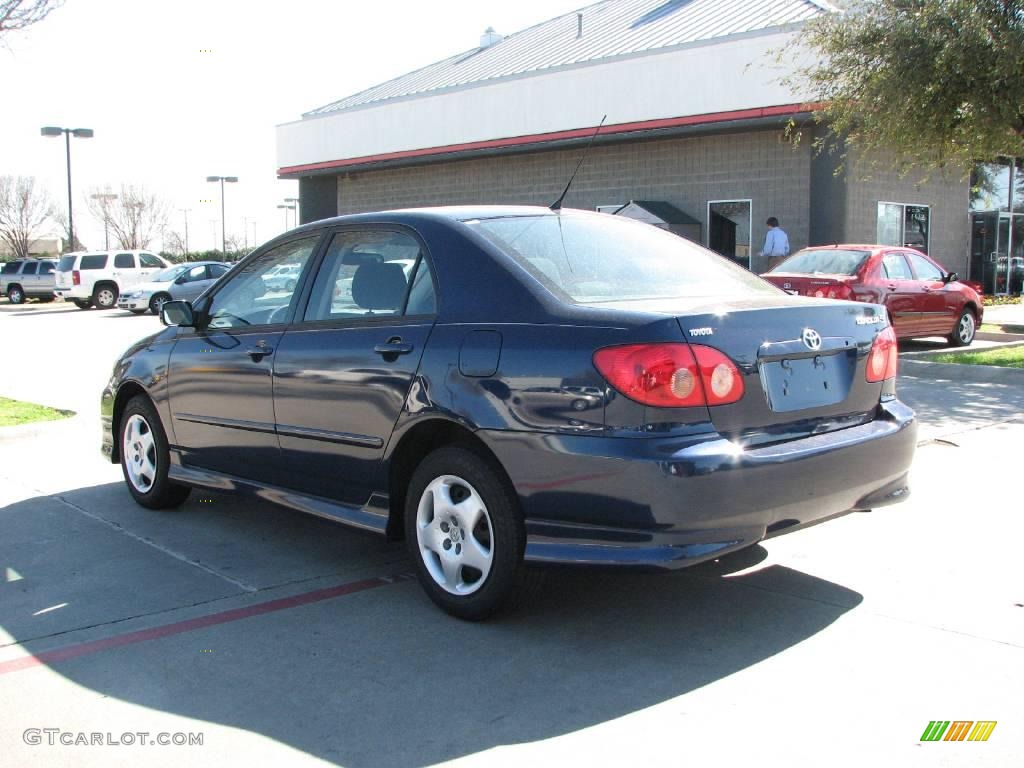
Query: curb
x=989, y=374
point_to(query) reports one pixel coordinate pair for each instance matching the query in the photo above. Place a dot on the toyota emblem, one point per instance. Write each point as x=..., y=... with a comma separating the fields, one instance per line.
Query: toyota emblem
x=812, y=339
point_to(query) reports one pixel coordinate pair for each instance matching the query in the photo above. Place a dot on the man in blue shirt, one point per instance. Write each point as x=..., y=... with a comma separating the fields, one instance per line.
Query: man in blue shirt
x=776, y=244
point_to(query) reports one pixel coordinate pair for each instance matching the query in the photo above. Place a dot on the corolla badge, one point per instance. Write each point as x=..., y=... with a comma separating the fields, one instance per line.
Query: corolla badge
x=812, y=339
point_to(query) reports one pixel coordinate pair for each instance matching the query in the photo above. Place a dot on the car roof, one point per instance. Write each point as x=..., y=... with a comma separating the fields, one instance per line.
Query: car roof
x=451, y=213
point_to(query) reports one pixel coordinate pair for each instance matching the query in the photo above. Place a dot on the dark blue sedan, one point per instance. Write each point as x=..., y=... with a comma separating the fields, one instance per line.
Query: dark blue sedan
x=508, y=385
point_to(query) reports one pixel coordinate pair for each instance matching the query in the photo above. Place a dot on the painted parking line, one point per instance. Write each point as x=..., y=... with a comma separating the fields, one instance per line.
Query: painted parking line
x=188, y=625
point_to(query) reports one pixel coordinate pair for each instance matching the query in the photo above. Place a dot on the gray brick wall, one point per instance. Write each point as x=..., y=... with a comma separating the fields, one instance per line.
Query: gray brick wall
x=947, y=194
x=687, y=172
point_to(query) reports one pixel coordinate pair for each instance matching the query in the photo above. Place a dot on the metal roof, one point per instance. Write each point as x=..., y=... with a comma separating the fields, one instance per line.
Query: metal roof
x=610, y=28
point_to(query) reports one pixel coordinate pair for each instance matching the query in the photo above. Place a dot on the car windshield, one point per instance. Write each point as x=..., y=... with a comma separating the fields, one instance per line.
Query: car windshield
x=169, y=274
x=597, y=258
x=824, y=261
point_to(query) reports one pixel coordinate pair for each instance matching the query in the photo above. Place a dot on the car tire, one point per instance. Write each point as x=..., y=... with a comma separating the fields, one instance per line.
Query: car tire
x=105, y=296
x=465, y=533
x=82, y=303
x=145, y=457
x=966, y=327
x=15, y=294
x=157, y=302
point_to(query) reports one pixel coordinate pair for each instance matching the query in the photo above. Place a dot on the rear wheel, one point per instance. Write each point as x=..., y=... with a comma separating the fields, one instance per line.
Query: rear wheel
x=157, y=302
x=963, y=333
x=145, y=457
x=15, y=294
x=82, y=303
x=465, y=533
x=105, y=296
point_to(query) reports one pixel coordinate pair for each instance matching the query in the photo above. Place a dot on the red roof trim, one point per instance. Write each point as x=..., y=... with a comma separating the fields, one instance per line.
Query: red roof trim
x=540, y=138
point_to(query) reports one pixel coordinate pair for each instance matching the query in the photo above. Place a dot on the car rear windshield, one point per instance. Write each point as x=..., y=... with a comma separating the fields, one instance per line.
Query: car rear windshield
x=67, y=263
x=597, y=258
x=93, y=262
x=824, y=261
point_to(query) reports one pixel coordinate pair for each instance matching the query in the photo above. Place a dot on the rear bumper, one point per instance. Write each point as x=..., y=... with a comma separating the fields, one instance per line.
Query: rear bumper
x=75, y=292
x=670, y=503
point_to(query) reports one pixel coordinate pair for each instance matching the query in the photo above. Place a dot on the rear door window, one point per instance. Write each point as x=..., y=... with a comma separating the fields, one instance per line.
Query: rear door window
x=895, y=267
x=30, y=268
x=46, y=267
x=124, y=261
x=94, y=261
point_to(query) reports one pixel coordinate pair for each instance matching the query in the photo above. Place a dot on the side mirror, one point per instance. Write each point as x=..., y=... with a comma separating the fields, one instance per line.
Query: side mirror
x=952, y=277
x=178, y=313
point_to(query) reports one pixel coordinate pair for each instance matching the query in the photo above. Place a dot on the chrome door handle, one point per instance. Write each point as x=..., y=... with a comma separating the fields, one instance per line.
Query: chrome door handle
x=393, y=346
x=258, y=352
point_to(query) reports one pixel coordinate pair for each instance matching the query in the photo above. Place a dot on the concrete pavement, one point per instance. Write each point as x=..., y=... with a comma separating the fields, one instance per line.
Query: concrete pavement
x=834, y=645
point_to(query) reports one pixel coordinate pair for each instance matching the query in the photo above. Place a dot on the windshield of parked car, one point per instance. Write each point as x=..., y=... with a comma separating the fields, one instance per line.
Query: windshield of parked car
x=171, y=273
x=823, y=261
x=596, y=258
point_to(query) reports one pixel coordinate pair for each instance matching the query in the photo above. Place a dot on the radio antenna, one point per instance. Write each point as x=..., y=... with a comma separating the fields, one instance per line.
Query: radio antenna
x=557, y=205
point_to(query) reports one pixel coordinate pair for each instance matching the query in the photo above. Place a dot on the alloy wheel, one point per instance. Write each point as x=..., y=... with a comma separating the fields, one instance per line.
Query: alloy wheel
x=139, y=451
x=965, y=329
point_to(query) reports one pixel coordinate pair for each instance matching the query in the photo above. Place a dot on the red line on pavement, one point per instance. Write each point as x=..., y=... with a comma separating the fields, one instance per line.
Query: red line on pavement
x=188, y=625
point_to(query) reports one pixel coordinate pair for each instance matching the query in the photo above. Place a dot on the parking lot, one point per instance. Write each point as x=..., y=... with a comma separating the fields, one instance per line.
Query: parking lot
x=285, y=639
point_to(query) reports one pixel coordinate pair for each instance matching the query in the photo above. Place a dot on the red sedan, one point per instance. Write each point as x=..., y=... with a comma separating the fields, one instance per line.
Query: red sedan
x=922, y=298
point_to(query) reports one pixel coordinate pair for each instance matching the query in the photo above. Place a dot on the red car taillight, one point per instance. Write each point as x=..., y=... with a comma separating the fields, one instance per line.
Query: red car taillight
x=884, y=357
x=841, y=291
x=670, y=375
x=76, y=277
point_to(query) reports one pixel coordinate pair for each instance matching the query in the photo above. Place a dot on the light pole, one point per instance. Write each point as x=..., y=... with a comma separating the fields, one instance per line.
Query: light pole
x=104, y=197
x=186, y=212
x=223, y=223
x=286, y=209
x=295, y=201
x=79, y=133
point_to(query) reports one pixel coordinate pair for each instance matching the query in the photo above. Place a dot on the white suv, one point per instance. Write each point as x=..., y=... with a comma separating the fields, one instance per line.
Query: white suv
x=98, y=277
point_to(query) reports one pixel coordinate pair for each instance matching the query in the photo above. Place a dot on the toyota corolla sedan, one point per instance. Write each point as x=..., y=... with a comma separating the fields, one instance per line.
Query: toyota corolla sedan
x=180, y=281
x=920, y=297
x=538, y=387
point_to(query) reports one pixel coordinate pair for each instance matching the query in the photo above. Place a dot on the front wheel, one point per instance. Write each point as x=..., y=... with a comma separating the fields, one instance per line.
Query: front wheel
x=145, y=457
x=465, y=533
x=15, y=295
x=157, y=302
x=965, y=329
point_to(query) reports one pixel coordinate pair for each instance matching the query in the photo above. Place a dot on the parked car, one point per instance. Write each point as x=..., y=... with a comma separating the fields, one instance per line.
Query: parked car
x=181, y=281
x=283, y=278
x=28, y=279
x=542, y=387
x=920, y=296
x=97, y=278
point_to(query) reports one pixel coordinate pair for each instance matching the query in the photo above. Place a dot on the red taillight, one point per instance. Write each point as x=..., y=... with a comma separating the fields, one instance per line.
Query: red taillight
x=76, y=277
x=841, y=291
x=884, y=356
x=669, y=375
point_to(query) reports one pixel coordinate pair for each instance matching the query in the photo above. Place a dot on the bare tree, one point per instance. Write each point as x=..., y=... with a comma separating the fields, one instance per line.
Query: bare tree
x=134, y=217
x=175, y=243
x=60, y=217
x=16, y=15
x=23, y=210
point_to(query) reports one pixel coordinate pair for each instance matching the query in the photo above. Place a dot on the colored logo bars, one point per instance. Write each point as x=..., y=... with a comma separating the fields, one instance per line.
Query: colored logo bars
x=958, y=730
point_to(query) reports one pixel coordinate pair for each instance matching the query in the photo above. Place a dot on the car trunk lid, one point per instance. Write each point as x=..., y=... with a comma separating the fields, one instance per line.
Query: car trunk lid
x=817, y=286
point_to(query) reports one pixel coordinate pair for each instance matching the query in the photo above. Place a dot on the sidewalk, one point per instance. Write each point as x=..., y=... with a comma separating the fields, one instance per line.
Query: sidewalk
x=1006, y=314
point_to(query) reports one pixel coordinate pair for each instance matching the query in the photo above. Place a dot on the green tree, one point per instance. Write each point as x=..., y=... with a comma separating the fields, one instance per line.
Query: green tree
x=933, y=82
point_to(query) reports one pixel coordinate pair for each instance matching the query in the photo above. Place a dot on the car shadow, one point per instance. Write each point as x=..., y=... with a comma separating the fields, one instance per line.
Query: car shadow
x=382, y=678
x=32, y=310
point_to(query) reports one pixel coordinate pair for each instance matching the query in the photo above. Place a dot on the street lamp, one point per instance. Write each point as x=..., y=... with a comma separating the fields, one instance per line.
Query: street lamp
x=104, y=198
x=286, y=209
x=79, y=133
x=294, y=200
x=223, y=224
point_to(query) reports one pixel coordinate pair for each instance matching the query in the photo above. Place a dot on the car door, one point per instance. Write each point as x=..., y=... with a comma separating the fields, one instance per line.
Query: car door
x=940, y=307
x=29, y=278
x=220, y=374
x=343, y=370
x=190, y=283
x=46, y=281
x=126, y=271
x=901, y=293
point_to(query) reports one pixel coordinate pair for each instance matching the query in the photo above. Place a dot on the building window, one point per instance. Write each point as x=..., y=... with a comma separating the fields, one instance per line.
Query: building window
x=903, y=224
x=729, y=229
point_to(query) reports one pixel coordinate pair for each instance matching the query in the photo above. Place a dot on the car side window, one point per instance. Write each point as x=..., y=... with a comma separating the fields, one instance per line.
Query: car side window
x=124, y=261
x=925, y=269
x=11, y=268
x=215, y=270
x=149, y=261
x=196, y=273
x=895, y=267
x=46, y=268
x=30, y=268
x=245, y=298
x=363, y=275
x=422, y=300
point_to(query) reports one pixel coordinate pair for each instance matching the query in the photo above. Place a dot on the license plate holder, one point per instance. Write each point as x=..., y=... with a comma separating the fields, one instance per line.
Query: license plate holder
x=799, y=383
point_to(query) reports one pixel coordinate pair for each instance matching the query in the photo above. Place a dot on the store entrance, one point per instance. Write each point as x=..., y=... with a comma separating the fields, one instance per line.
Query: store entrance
x=997, y=251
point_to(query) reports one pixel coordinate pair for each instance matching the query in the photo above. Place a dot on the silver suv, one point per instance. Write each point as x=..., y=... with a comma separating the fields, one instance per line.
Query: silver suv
x=99, y=277
x=28, y=279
